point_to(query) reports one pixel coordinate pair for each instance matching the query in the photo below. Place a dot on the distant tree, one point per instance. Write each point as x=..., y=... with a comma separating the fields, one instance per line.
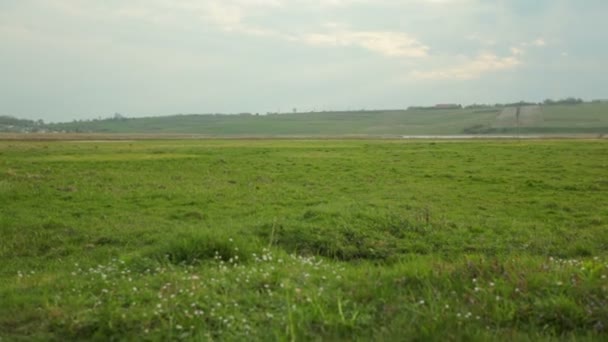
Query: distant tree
x=566, y=101
x=10, y=120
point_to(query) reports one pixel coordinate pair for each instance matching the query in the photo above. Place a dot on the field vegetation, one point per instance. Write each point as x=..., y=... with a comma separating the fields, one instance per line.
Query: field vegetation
x=304, y=240
x=551, y=118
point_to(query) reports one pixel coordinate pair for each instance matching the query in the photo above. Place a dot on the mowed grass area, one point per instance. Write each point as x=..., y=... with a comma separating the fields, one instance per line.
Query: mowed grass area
x=304, y=240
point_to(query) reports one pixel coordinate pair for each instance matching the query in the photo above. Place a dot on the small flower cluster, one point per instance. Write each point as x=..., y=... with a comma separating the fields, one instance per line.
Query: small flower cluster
x=218, y=296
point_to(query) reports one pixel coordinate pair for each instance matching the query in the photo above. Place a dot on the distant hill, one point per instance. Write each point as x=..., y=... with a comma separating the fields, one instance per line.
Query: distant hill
x=477, y=119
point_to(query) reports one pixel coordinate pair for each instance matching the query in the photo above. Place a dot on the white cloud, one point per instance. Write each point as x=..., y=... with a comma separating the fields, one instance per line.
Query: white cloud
x=387, y=43
x=472, y=69
x=516, y=51
x=231, y=16
x=539, y=42
x=476, y=37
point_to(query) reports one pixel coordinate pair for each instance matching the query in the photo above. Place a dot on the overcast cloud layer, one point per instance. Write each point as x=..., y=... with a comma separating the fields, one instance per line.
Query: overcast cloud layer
x=73, y=59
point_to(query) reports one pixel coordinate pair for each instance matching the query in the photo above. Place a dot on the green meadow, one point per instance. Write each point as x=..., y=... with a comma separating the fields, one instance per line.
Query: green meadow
x=296, y=240
x=587, y=118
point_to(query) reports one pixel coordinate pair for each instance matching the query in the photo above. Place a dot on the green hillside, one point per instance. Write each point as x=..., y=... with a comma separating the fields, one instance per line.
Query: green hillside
x=587, y=118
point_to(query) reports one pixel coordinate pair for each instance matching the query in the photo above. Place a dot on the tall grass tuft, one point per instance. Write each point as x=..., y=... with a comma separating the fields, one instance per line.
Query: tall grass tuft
x=198, y=246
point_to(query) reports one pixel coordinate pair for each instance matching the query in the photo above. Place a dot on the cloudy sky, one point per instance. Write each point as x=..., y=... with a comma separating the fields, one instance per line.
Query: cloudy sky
x=73, y=59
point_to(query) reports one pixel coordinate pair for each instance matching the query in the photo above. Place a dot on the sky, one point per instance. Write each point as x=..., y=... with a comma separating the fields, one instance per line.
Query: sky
x=62, y=60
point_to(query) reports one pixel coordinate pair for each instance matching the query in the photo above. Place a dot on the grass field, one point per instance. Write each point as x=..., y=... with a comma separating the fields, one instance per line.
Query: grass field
x=304, y=240
x=588, y=118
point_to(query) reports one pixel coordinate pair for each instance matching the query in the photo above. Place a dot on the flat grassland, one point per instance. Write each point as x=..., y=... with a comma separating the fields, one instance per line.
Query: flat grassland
x=301, y=240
